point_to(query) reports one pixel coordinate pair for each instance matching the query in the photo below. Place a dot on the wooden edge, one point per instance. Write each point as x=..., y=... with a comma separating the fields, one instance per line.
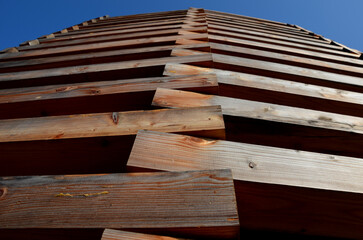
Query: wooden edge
x=201, y=83
x=30, y=43
x=260, y=110
x=255, y=163
x=111, y=234
x=183, y=41
x=9, y=50
x=201, y=121
x=267, y=83
x=185, y=52
x=208, y=196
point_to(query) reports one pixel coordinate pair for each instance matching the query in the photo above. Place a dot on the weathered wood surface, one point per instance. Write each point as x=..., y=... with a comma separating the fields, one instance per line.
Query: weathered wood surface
x=259, y=26
x=259, y=110
x=108, y=71
x=274, y=90
x=114, y=37
x=303, y=207
x=287, y=50
x=174, y=152
x=111, y=234
x=104, y=30
x=287, y=59
x=100, y=67
x=308, y=38
x=93, y=58
x=167, y=201
x=96, y=46
x=286, y=69
x=201, y=119
x=106, y=87
x=107, y=32
x=271, y=34
x=96, y=97
x=333, y=52
x=267, y=83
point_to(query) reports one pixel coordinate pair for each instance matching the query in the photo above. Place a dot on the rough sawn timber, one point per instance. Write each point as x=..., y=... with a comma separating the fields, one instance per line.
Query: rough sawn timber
x=277, y=189
x=200, y=119
x=185, y=203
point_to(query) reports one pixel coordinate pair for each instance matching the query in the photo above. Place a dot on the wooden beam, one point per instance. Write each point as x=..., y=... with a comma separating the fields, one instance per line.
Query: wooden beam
x=115, y=28
x=287, y=58
x=286, y=69
x=85, y=72
x=95, y=97
x=272, y=34
x=111, y=234
x=279, y=91
x=112, y=37
x=181, y=203
x=95, y=57
x=255, y=163
x=41, y=93
x=110, y=32
x=289, y=31
x=263, y=123
x=96, y=46
x=281, y=43
x=203, y=120
x=266, y=30
x=259, y=110
x=287, y=50
x=261, y=174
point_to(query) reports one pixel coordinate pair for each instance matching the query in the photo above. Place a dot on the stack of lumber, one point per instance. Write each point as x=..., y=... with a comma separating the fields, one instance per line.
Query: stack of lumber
x=188, y=124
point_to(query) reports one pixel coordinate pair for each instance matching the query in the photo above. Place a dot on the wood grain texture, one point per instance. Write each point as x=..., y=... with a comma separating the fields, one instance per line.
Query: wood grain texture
x=202, y=119
x=105, y=87
x=251, y=31
x=174, y=152
x=288, y=50
x=287, y=58
x=277, y=189
x=90, y=58
x=258, y=29
x=95, y=46
x=116, y=36
x=267, y=83
x=286, y=69
x=260, y=110
x=167, y=201
x=89, y=69
x=278, y=91
x=111, y=234
x=278, y=42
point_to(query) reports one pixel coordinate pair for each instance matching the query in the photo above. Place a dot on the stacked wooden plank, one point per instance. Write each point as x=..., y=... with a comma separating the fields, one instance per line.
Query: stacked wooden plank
x=257, y=127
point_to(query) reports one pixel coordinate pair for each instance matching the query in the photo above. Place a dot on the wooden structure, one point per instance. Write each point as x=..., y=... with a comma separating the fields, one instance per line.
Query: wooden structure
x=191, y=93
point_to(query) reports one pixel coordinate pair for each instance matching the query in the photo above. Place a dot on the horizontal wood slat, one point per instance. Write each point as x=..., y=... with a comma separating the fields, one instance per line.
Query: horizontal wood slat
x=202, y=119
x=272, y=84
x=266, y=205
x=286, y=69
x=84, y=72
x=259, y=110
x=96, y=46
x=107, y=87
x=168, y=201
x=288, y=50
x=111, y=234
x=174, y=152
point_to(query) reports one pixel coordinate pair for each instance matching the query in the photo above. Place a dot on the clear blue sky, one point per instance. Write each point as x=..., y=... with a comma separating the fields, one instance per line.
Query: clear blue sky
x=339, y=20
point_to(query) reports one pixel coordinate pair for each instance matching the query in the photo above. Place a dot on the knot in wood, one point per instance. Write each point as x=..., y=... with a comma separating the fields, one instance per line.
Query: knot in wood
x=252, y=164
x=3, y=192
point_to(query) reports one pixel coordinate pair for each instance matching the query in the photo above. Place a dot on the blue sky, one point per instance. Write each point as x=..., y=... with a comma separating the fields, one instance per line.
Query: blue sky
x=23, y=20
